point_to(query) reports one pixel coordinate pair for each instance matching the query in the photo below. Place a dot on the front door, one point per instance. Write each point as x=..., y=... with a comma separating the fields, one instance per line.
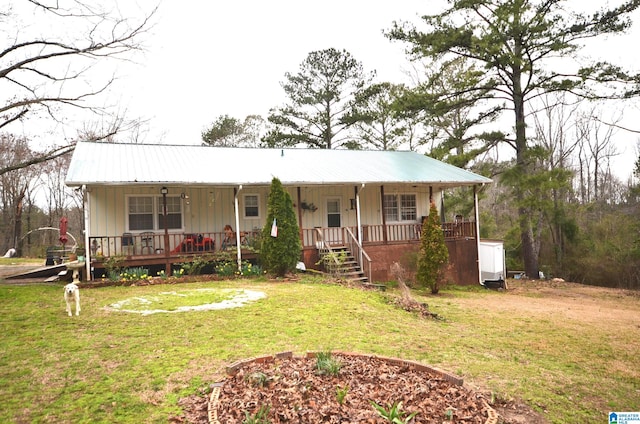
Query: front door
x=334, y=220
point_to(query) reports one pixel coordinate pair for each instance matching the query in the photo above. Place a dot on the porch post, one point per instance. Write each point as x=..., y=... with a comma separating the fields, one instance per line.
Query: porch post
x=85, y=213
x=300, y=217
x=443, y=215
x=238, y=247
x=167, y=263
x=359, y=220
x=477, y=218
x=384, y=220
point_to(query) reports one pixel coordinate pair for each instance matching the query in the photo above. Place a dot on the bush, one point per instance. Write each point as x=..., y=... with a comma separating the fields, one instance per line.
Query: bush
x=134, y=274
x=229, y=268
x=280, y=254
x=113, y=265
x=433, y=256
x=195, y=267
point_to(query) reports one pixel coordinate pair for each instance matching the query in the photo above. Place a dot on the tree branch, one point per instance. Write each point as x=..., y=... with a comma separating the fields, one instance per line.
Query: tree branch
x=51, y=154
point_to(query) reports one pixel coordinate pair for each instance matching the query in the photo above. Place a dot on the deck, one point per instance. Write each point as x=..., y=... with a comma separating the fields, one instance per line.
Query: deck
x=148, y=249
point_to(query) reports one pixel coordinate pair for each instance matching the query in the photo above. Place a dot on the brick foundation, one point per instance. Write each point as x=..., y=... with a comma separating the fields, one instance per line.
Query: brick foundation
x=462, y=256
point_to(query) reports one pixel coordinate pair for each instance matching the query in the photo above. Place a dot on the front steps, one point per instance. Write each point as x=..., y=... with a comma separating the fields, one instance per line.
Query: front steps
x=344, y=265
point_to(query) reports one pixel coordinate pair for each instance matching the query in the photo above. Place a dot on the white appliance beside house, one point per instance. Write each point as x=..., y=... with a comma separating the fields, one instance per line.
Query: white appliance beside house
x=492, y=261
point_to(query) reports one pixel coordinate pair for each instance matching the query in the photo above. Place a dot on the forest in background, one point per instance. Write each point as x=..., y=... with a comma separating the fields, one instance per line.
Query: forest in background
x=488, y=96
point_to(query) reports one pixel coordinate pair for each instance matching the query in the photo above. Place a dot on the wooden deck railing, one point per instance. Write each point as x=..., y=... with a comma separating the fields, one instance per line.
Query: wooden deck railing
x=453, y=230
x=390, y=233
x=330, y=261
x=356, y=249
x=142, y=244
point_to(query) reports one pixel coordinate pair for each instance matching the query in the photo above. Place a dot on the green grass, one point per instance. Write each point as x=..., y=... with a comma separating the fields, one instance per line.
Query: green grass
x=175, y=299
x=21, y=261
x=110, y=366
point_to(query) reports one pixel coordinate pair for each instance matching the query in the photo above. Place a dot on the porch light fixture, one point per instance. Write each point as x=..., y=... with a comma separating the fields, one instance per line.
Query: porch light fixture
x=164, y=190
x=353, y=203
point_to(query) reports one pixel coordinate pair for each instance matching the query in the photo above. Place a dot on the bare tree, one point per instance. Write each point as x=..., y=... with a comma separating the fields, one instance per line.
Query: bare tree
x=45, y=73
x=14, y=188
x=553, y=124
x=56, y=194
x=595, y=154
x=554, y=121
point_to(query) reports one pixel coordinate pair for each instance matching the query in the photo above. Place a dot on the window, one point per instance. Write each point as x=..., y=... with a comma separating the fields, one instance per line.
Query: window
x=408, y=207
x=251, y=206
x=400, y=207
x=174, y=213
x=390, y=206
x=143, y=209
x=333, y=213
x=140, y=213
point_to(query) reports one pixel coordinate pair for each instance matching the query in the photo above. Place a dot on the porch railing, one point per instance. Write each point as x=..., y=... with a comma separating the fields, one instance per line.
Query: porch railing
x=364, y=261
x=142, y=244
x=389, y=233
x=330, y=261
x=147, y=243
x=453, y=230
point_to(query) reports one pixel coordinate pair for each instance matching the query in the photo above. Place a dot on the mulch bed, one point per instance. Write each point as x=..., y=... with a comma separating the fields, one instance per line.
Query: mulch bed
x=366, y=378
x=295, y=392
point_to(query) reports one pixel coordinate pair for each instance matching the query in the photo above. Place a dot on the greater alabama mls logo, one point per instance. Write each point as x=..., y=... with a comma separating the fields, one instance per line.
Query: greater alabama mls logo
x=624, y=417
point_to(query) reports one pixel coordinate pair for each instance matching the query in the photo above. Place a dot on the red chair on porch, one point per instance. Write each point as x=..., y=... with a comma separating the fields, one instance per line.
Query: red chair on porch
x=204, y=244
x=195, y=243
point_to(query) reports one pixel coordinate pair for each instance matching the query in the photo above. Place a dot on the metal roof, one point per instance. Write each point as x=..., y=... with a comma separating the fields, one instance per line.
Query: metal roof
x=95, y=163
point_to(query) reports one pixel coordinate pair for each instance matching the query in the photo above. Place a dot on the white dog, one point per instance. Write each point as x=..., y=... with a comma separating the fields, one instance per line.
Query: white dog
x=72, y=294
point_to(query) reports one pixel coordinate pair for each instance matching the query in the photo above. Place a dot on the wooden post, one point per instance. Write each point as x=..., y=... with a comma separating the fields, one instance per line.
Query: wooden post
x=167, y=263
x=384, y=219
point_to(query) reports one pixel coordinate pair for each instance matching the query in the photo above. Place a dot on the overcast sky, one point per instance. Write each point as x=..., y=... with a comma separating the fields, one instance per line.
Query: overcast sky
x=229, y=57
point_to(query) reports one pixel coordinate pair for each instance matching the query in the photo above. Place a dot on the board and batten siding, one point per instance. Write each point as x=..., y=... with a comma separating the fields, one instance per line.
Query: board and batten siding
x=209, y=209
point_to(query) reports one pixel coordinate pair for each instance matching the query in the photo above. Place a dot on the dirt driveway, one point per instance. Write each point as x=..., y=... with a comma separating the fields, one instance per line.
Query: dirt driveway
x=599, y=306
x=600, y=309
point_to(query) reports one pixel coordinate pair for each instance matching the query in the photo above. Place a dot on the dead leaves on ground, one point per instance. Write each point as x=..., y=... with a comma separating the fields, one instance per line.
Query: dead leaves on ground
x=296, y=393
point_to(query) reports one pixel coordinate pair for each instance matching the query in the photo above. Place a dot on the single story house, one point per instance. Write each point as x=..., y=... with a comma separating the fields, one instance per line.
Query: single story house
x=162, y=204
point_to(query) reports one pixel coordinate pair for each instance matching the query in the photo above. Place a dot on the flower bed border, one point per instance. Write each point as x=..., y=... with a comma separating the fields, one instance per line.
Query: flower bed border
x=232, y=369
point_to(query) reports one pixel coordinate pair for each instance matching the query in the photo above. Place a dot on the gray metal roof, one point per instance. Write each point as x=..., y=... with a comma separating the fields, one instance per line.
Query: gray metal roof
x=125, y=164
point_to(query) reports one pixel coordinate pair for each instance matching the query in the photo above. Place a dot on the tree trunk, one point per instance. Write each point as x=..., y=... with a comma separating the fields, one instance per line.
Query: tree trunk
x=529, y=251
x=529, y=255
x=17, y=227
x=557, y=230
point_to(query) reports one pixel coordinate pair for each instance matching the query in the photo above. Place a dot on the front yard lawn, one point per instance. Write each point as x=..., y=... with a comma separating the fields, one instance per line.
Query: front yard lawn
x=569, y=351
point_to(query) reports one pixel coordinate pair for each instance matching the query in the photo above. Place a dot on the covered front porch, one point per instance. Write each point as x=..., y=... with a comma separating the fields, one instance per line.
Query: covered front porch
x=368, y=202
x=148, y=248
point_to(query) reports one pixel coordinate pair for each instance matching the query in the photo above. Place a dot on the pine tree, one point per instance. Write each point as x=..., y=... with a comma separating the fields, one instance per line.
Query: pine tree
x=517, y=44
x=280, y=254
x=319, y=96
x=433, y=255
